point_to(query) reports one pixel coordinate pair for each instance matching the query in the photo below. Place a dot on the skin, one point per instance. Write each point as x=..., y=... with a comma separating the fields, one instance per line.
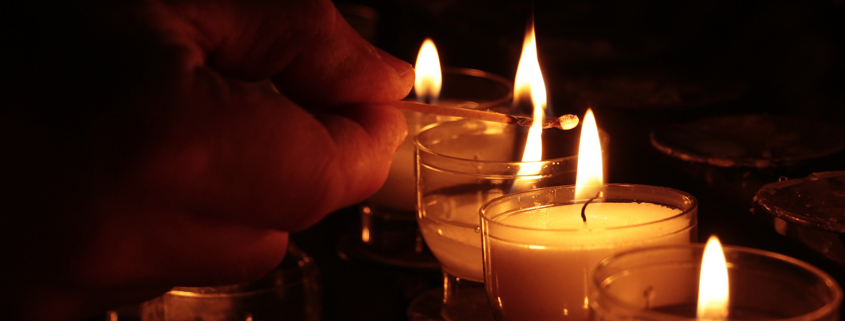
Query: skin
x=143, y=146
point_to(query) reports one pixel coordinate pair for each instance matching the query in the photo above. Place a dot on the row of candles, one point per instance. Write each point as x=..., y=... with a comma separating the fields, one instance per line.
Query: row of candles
x=544, y=250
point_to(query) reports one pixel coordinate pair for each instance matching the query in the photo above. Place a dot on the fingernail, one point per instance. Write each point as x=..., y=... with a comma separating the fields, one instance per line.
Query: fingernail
x=397, y=64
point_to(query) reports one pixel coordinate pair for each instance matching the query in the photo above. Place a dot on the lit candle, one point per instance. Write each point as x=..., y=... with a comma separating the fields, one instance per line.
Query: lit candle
x=469, y=89
x=457, y=244
x=389, y=230
x=398, y=191
x=690, y=282
x=461, y=166
x=538, y=248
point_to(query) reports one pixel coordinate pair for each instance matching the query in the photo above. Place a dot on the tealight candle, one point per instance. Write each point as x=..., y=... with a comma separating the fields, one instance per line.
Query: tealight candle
x=389, y=231
x=398, y=191
x=468, y=88
x=538, y=249
x=662, y=283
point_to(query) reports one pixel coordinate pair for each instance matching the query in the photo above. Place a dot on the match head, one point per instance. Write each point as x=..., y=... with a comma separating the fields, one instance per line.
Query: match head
x=567, y=122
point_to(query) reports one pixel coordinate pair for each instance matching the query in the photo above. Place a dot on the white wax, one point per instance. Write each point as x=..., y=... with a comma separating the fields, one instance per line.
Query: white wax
x=541, y=273
x=451, y=230
x=399, y=190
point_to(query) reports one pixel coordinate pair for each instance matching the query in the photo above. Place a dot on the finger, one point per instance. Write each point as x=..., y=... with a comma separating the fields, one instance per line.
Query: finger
x=252, y=156
x=309, y=50
x=172, y=247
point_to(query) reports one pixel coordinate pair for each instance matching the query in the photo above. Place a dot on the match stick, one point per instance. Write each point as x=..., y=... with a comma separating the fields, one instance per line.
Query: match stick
x=565, y=122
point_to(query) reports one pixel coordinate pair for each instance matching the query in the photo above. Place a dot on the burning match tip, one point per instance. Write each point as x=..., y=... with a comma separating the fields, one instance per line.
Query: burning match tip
x=568, y=121
x=565, y=122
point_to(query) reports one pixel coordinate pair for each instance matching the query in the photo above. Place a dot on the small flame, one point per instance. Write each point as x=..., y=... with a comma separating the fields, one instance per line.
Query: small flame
x=428, y=77
x=713, y=284
x=530, y=86
x=589, y=178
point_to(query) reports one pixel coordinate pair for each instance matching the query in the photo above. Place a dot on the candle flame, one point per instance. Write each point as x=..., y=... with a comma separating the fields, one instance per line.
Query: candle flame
x=428, y=77
x=589, y=177
x=713, y=284
x=529, y=85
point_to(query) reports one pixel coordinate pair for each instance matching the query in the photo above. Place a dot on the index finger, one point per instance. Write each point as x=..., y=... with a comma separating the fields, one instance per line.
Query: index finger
x=261, y=160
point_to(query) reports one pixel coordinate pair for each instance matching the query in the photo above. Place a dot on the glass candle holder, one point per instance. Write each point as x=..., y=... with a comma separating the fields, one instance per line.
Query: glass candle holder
x=290, y=292
x=661, y=283
x=460, y=166
x=389, y=232
x=539, y=250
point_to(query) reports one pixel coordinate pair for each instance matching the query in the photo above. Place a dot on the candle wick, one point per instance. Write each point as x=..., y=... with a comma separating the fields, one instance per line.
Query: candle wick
x=584, y=208
x=428, y=100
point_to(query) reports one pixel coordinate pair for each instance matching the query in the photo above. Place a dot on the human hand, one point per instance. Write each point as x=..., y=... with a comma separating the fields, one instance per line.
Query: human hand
x=141, y=151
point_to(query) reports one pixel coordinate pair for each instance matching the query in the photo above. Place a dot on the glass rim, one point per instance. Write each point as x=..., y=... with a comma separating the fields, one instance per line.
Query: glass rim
x=187, y=292
x=790, y=216
x=480, y=74
x=427, y=150
x=824, y=310
x=484, y=75
x=484, y=215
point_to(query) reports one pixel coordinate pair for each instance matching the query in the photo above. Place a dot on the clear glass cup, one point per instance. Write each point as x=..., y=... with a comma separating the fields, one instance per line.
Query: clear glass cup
x=661, y=283
x=538, y=250
x=808, y=210
x=460, y=166
x=291, y=292
x=389, y=232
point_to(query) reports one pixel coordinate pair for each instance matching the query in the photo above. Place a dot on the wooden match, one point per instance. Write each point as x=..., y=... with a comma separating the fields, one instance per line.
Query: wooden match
x=565, y=122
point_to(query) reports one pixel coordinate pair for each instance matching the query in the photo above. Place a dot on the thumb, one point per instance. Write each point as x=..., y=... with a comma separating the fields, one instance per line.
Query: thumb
x=306, y=47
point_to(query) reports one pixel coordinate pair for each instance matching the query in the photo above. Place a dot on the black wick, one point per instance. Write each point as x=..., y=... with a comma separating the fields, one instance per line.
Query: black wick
x=584, y=208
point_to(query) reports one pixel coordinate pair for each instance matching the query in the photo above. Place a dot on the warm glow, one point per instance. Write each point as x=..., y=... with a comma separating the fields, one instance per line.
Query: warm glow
x=589, y=178
x=713, y=284
x=529, y=86
x=365, y=234
x=428, y=81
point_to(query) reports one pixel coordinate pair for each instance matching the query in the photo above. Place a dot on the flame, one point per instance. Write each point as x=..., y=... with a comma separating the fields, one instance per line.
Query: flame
x=589, y=178
x=529, y=84
x=428, y=77
x=713, y=284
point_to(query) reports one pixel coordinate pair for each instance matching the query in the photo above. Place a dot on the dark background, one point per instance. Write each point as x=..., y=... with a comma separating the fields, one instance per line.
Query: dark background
x=639, y=65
